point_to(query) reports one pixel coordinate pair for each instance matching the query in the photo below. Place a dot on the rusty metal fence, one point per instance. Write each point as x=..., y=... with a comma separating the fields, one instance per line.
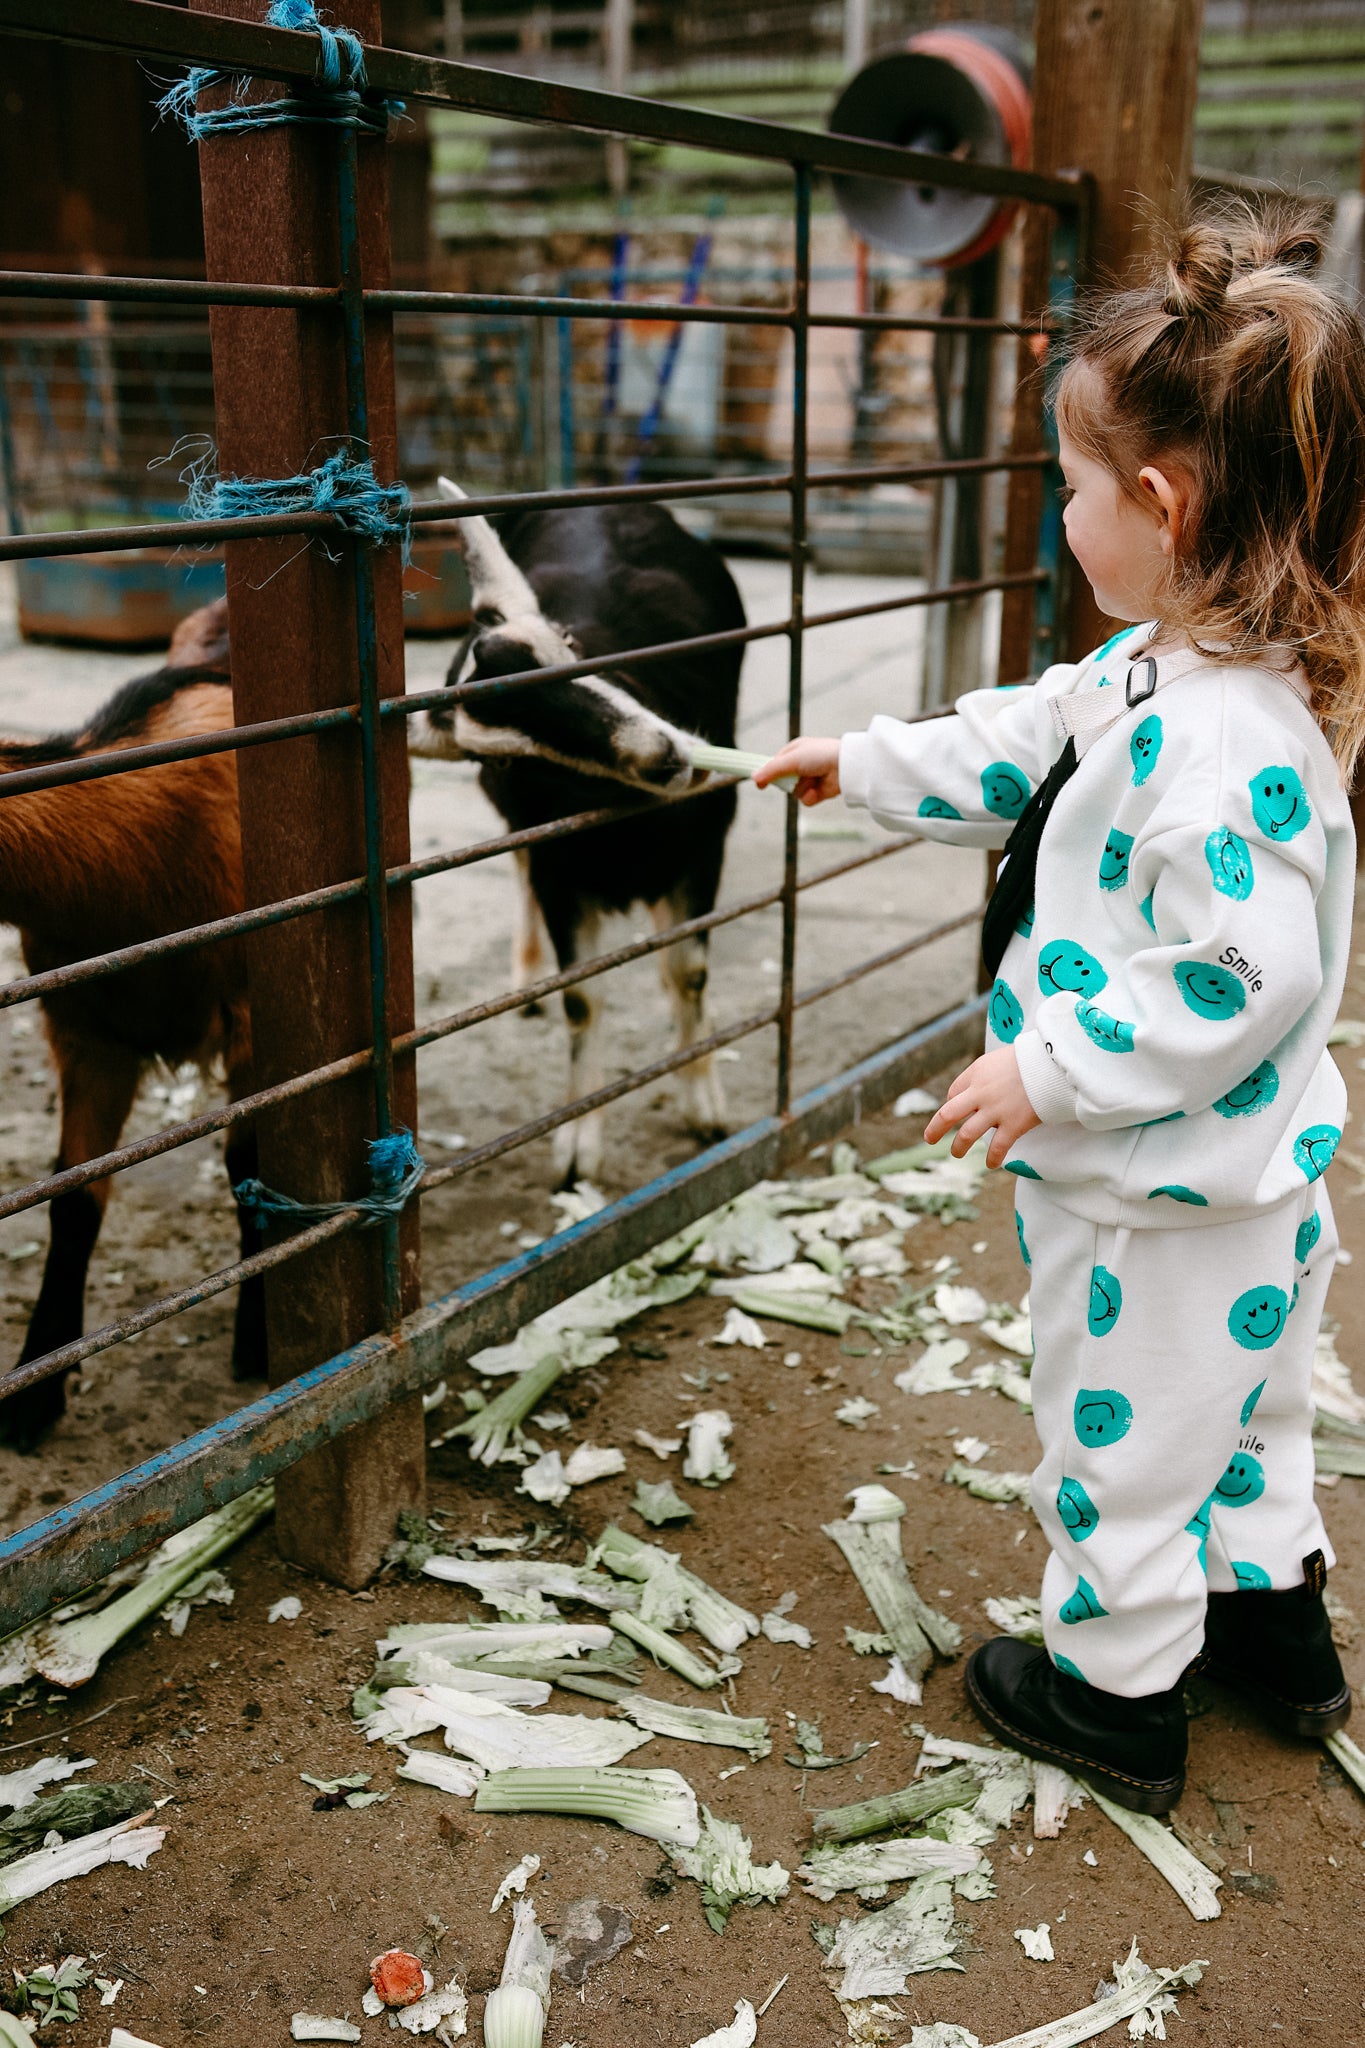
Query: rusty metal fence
x=403, y=1347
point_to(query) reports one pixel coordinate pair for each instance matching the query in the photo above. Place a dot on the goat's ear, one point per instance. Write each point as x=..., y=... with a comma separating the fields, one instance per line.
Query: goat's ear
x=497, y=588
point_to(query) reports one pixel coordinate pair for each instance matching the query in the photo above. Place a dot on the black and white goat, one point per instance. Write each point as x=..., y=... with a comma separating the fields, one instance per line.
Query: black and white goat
x=586, y=584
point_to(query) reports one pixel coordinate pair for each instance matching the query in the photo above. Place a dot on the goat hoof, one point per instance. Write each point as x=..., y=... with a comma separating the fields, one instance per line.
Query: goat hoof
x=709, y=1134
x=27, y=1419
x=531, y=1010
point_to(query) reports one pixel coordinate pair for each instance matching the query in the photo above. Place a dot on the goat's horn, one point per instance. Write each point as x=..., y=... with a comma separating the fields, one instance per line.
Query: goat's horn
x=496, y=584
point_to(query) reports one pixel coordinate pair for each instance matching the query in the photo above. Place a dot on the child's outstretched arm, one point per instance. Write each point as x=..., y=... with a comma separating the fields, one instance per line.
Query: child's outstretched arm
x=815, y=761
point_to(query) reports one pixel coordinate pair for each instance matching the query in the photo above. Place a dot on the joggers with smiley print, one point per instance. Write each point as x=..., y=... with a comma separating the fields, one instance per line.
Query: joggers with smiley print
x=1171, y=1391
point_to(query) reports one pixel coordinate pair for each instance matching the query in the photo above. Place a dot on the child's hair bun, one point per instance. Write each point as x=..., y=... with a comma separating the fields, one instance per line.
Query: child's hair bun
x=1286, y=237
x=1198, y=274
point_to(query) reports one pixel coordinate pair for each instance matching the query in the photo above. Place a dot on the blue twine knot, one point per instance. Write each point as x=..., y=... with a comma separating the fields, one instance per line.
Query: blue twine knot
x=337, y=96
x=341, y=485
x=396, y=1169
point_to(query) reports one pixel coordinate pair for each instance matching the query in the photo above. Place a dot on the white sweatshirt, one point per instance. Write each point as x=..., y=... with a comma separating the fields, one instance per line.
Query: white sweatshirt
x=1170, y=1000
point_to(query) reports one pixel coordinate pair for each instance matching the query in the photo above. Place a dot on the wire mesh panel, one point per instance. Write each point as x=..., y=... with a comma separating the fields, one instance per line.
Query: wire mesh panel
x=469, y=373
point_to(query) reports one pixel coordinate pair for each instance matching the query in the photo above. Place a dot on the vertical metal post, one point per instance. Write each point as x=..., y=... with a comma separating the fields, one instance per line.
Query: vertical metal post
x=796, y=631
x=9, y=468
x=313, y=628
x=367, y=652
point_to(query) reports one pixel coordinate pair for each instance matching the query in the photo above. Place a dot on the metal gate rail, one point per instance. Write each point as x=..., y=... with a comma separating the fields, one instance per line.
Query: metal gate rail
x=66, y=1550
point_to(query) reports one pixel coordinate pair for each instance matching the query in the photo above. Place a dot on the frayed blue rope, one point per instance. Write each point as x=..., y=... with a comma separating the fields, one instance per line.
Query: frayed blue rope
x=337, y=97
x=348, y=489
x=396, y=1168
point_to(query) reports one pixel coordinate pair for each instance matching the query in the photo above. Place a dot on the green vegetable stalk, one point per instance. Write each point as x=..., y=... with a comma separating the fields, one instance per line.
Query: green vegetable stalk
x=68, y=1653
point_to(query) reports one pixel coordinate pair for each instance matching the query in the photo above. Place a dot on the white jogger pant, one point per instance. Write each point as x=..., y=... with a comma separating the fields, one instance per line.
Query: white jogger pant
x=1172, y=1396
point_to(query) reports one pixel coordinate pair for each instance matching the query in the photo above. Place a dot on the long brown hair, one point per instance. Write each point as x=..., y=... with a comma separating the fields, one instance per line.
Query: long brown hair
x=1234, y=367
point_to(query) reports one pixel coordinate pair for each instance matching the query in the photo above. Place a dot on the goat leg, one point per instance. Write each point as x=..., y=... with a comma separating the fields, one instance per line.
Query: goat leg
x=98, y=1084
x=684, y=971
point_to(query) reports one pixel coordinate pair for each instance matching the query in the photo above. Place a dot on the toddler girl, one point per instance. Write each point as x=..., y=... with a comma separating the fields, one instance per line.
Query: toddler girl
x=1169, y=937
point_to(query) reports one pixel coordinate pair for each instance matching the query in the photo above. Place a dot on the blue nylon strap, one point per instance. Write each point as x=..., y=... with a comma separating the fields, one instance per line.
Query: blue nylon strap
x=336, y=98
x=396, y=1168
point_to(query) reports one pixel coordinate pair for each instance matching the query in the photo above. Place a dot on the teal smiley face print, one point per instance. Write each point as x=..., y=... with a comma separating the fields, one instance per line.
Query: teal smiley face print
x=1063, y=965
x=1110, y=1034
x=1106, y=1302
x=1102, y=1415
x=1306, y=1236
x=1004, y=789
x=1005, y=1012
x=1114, y=860
x=1251, y=1578
x=1279, y=803
x=1144, y=747
x=1209, y=990
x=1080, y=1517
x=1083, y=1604
x=937, y=807
x=1257, y=1317
x=1315, y=1148
x=1249, y=1405
x=1249, y=1097
x=1229, y=860
x=1242, y=1483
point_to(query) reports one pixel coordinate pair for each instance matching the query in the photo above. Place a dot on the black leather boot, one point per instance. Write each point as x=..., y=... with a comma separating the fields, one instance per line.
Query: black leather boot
x=1277, y=1648
x=1134, y=1750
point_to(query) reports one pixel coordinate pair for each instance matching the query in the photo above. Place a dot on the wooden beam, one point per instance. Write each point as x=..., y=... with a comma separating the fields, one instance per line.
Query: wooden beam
x=1115, y=83
x=271, y=216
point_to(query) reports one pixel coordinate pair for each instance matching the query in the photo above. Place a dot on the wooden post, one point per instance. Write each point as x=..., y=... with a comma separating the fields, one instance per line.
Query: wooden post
x=270, y=215
x=1114, y=93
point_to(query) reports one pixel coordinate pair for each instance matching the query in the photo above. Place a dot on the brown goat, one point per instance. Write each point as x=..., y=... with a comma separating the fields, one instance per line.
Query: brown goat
x=93, y=866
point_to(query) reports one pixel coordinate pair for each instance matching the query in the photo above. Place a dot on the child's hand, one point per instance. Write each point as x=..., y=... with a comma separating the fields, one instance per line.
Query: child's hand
x=816, y=762
x=989, y=1095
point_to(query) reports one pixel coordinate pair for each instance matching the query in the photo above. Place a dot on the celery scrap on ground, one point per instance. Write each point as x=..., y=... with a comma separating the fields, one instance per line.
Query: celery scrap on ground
x=779, y=1629
x=349, y=1791
x=992, y=1486
x=806, y=1311
x=740, y=1329
x=1350, y=1756
x=660, y=1805
x=51, y=1991
x=809, y=1754
x=1192, y=1881
x=1142, y=1996
x=699, y=1724
x=869, y=1538
x=516, y=1880
x=68, y=1653
x=316, y=2026
x=721, y=1861
x=516, y=2012
x=1020, y=1616
x=870, y=1867
x=524, y=1590
x=79, y=1810
x=123, y=1843
x=872, y=1956
x=21, y=1788
x=742, y=2031
x=669, y=1588
x=707, y=1461
x=659, y=1503
x=917, y=1802
x=665, y=1650
x=1036, y=1942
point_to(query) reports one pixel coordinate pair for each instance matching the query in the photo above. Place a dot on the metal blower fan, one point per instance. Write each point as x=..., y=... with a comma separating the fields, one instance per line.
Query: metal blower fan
x=961, y=90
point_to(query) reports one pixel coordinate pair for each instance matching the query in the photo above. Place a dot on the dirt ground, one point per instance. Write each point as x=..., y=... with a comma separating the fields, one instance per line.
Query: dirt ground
x=258, y=1906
